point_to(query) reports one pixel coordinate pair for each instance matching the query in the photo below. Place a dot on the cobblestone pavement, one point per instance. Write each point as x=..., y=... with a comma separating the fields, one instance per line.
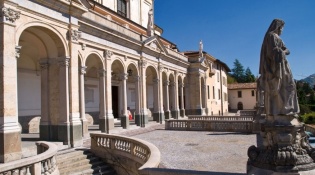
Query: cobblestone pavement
x=196, y=150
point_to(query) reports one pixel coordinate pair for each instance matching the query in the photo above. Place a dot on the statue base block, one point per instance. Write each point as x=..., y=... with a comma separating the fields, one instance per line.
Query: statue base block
x=285, y=148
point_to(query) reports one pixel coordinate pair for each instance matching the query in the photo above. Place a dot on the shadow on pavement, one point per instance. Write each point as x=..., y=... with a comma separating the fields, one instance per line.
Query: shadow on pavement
x=157, y=171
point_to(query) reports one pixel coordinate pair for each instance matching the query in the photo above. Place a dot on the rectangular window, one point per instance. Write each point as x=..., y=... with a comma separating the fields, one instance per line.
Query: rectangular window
x=253, y=93
x=219, y=92
x=208, y=92
x=213, y=92
x=239, y=94
x=122, y=8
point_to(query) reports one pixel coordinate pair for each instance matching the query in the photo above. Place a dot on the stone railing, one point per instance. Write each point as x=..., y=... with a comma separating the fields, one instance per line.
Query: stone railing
x=176, y=54
x=246, y=112
x=208, y=125
x=221, y=118
x=126, y=155
x=43, y=163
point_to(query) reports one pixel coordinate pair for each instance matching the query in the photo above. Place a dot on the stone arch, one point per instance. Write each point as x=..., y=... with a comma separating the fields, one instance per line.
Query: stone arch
x=118, y=72
x=132, y=90
x=151, y=89
x=54, y=33
x=43, y=52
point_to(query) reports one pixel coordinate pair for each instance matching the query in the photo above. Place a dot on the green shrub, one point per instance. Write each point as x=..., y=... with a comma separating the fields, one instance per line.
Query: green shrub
x=309, y=118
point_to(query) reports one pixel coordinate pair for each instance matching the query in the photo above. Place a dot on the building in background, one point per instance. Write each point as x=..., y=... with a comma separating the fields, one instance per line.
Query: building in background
x=242, y=96
x=62, y=60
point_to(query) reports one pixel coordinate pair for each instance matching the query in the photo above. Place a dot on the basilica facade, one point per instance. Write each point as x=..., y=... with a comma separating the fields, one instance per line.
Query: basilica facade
x=62, y=60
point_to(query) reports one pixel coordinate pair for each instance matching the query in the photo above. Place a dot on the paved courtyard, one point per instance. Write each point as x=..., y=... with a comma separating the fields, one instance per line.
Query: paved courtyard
x=202, y=151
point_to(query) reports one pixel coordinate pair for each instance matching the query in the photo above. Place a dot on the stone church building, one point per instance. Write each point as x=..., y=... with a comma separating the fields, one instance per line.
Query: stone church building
x=64, y=59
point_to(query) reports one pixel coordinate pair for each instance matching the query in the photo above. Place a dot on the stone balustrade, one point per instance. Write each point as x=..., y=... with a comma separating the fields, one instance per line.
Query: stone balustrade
x=221, y=118
x=246, y=112
x=176, y=54
x=43, y=163
x=209, y=125
x=125, y=154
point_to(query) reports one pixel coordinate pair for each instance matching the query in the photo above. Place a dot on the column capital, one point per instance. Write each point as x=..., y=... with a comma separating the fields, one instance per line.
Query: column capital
x=172, y=83
x=64, y=62
x=181, y=85
x=156, y=80
x=107, y=54
x=137, y=78
x=82, y=70
x=142, y=63
x=101, y=72
x=10, y=14
x=166, y=83
x=17, y=51
x=43, y=64
x=123, y=76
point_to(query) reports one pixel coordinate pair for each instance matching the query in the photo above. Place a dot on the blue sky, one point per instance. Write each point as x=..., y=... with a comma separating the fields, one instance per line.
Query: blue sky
x=234, y=29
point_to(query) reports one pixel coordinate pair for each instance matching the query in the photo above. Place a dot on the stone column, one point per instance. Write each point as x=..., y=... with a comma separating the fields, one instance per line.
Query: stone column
x=175, y=110
x=64, y=122
x=124, y=118
x=44, y=126
x=204, y=98
x=10, y=132
x=181, y=91
x=108, y=90
x=167, y=111
x=144, y=110
x=137, y=95
x=85, y=129
x=157, y=91
x=102, y=105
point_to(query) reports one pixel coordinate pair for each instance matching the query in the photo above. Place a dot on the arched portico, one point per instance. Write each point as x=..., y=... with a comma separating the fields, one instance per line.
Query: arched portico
x=152, y=93
x=43, y=71
x=133, y=92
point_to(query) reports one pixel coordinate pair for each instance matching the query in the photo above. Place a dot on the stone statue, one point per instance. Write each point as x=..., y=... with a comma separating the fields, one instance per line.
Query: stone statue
x=200, y=48
x=284, y=148
x=280, y=91
x=150, y=27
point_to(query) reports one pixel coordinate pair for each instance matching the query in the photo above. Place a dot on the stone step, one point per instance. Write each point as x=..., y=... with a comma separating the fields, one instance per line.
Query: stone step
x=99, y=170
x=81, y=161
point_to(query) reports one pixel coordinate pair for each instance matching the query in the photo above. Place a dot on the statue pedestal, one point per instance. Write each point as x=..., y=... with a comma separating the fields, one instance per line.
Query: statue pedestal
x=285, y=148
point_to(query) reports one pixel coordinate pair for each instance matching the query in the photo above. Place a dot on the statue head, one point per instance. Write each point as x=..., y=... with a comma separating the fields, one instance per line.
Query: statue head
x=276, y=26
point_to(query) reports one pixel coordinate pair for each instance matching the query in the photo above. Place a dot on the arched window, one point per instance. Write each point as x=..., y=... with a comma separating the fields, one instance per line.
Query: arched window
x=239, y=106
x=122, y=7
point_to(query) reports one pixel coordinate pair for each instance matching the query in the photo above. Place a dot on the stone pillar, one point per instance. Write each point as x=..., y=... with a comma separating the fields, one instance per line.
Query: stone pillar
x=175, y=110
x=108, y=90
x=144, y=110
x=137, y=95
x=74, y=94
x=102, y=105
x=124, y=118
x=160, y=97
x=181, y=91
x=167, y=111
x=64, y=122
x=44, y=126
x=204, y=99
x=10, y=132
x=157, y=91
x=85, y=129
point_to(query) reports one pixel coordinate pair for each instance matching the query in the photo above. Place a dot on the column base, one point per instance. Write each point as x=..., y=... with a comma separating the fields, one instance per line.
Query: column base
x=137, y=119
x=194, y=111
x=168, y=115
x=103, y=124
x=44, y=132
x=63, y=131
x=11, y=148
x=124, y=120
x=182, y=112
x=158, y=116
x=175, y=114
x=76, y=135
x=85, y=128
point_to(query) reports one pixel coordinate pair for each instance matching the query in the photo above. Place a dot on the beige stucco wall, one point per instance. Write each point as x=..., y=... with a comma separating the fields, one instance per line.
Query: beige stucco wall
x=247, y=99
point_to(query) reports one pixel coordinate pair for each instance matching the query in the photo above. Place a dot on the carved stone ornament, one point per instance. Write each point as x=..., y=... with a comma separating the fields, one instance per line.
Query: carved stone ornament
x=43, y=65
x=75, y=35
x=10, y=14
x=64, y=62
x=123, y=76
x=83, y=70
x=108, y=54
x=142, y=63
x=17, y=51
x=83, y=46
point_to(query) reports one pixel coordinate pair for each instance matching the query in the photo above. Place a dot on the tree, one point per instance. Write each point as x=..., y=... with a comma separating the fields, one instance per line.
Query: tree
x=230, y=79
x=238, y=71
x=249, y=77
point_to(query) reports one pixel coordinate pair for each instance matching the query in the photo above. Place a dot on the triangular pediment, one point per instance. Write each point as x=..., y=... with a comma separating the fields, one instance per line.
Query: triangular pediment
x=154, y=43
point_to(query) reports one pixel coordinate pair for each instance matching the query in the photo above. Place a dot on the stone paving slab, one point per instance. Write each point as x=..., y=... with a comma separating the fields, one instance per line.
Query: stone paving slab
x=202, y=151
